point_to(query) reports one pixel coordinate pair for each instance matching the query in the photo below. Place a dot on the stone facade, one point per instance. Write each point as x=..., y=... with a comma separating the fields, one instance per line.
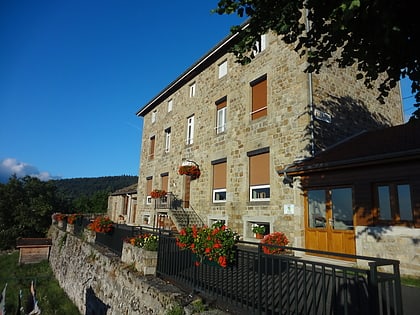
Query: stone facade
x=305, y=113
x=98, y=282
x=122, y=205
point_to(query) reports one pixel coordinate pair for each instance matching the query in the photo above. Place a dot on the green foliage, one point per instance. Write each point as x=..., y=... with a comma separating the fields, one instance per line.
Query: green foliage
x=379, y=37
x=175, y=310
x=52, y=299
x=26, y=206
x=90, y=195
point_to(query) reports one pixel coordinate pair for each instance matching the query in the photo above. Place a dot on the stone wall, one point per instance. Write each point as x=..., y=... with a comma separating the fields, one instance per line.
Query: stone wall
x=393, y=242
x=96, y=280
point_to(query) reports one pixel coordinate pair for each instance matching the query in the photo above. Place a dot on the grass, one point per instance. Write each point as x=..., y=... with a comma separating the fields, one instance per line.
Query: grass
x=411, y=282
x=51, y=298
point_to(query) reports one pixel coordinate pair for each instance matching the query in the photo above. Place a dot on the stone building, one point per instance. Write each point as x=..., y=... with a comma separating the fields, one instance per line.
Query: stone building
x=122, y=205
x=241, y=125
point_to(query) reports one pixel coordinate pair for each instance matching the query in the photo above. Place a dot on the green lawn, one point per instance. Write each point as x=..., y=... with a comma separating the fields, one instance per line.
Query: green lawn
x=51, y=298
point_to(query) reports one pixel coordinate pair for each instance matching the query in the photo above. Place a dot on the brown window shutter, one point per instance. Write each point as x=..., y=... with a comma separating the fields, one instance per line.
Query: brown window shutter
x=259, y=99
x=221, y=104
x=259, y=169
x=149, y=186
x=152, y=147
x=219, y=175
x=165, y=183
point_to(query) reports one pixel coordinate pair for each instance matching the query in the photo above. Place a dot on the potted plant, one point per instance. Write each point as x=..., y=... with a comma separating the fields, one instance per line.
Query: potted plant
x=215, y=244
x=190, y=170
x=146, y=241
x=259, y=231
x=101, y=224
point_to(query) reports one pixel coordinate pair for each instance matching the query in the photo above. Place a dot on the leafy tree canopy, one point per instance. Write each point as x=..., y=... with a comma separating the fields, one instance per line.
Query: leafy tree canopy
x=380, y=37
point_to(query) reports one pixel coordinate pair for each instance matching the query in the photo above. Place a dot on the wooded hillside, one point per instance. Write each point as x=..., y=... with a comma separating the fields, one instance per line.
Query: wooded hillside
x=75, y=188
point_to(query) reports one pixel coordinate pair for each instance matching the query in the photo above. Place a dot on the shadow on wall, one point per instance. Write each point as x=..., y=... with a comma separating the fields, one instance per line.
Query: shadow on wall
x=348, y=117
x=94, y=306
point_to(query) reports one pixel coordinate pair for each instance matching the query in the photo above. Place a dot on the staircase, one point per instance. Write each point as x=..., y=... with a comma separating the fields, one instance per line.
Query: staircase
x=183, y=218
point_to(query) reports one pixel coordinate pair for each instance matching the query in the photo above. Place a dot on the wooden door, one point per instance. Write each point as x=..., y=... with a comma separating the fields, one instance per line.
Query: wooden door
x=186, y=198
x=329, y=221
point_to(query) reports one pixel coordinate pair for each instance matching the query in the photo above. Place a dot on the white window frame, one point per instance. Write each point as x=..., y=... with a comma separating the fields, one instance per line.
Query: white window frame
x=167, y=140
x=261, y=45
x=215, y=191
x=148, y=200
x=221, y=120
x=222, y=69
x=192, y=89
x=259, y=197
x=170, y=105
x=154, y=114
x=190, y=130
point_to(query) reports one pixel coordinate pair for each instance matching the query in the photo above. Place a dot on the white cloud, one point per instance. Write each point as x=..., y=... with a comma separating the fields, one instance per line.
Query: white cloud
x=11, y=166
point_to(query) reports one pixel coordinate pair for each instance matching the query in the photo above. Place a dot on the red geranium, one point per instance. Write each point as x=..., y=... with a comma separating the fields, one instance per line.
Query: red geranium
x=275, y=238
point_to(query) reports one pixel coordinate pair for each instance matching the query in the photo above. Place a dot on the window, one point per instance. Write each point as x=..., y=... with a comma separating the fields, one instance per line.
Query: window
x=167, y=139
x=164, y=186
x=260, y=45
x=330, y=208
x=259, y=175
x=259, y=97
x=219, y=180
x=394, y=202
x=154, y=113
x=149, y=181
x=192, y=90
x=221, y=115
x=190, y=130
x=152, y=148
x=222, y=69
x=170, y=104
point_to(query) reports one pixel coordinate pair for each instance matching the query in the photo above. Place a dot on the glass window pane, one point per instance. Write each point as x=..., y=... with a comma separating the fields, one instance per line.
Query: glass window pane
x=384, y=203
x=404, y=202
x=342, y=205
x=317, y=209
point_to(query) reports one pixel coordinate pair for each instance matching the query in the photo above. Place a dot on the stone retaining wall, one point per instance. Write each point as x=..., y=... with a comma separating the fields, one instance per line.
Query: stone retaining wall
x=95, y=279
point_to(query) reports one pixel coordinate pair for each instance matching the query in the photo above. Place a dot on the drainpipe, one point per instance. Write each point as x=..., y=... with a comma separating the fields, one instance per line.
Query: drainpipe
x=310, y=95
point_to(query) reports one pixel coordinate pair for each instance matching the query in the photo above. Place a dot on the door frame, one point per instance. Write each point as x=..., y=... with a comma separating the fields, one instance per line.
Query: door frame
x=327, y=238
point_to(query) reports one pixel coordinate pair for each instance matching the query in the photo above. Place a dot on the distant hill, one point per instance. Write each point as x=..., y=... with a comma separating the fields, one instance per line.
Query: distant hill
x=74, y=188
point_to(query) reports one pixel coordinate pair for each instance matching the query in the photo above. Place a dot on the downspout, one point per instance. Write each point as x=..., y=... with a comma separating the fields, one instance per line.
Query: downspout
x=310, y=96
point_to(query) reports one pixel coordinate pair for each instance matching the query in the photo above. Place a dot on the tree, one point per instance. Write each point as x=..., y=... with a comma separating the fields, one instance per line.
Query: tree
x=26, y=206
x=380, y=37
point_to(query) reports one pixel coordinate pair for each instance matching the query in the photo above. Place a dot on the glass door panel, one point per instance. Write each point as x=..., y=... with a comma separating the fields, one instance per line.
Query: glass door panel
x=342, y=209
x=317, y=214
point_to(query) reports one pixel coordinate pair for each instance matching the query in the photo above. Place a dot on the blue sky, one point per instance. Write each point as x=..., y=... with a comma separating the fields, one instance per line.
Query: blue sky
x=74, y=73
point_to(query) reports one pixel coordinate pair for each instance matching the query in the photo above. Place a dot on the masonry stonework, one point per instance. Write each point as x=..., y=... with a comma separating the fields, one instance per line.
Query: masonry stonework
x=289, y=130
x=96, y=279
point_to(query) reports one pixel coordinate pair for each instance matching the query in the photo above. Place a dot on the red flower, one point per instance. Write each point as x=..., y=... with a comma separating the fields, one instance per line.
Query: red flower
x=222, y=261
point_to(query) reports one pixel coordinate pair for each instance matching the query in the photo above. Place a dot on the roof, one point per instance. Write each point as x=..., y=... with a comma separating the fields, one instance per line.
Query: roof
x=400, y=142
x=219, y=50
x=33, y=242
x=132, y=189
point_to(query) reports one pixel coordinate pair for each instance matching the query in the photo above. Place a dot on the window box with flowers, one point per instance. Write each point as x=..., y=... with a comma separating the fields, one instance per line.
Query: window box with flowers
x=141, y=251
x=190, y=170
x=157, y=194
x=101, y=224
x=216, y=244
x=276, y=243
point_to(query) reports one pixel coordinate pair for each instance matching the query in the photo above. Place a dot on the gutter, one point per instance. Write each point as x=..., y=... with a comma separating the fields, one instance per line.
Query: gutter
x=351, y=163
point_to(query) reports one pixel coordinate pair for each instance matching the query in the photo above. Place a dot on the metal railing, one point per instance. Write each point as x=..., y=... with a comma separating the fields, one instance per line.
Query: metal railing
x=284, y=284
